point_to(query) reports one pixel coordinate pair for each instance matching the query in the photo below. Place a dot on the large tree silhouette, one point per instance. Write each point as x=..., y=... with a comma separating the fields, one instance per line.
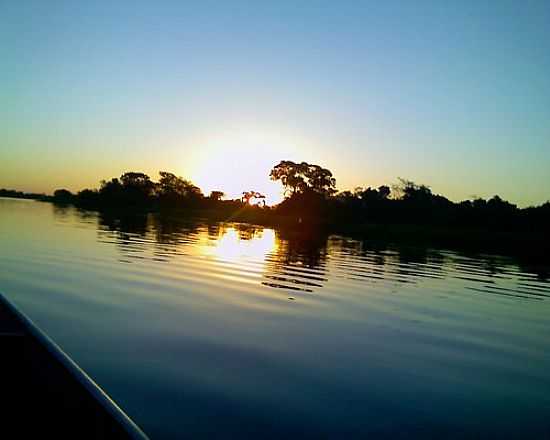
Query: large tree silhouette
x=302, y=177
x=170, y=185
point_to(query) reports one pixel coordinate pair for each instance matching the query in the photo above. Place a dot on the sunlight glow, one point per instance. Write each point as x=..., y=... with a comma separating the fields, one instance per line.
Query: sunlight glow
x=235, y=161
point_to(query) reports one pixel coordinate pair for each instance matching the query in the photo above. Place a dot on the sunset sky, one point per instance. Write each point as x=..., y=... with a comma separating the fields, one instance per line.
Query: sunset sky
x=455, y=95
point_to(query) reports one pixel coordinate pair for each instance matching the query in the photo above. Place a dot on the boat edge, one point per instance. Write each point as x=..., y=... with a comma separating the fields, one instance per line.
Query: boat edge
x=131, y=428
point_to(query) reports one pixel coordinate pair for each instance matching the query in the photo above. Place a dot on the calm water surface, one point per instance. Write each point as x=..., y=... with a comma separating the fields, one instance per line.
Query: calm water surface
x=224, y=330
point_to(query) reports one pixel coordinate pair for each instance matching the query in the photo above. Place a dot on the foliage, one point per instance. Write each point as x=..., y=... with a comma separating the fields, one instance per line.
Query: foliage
x=302, y=177
x=170, y=185
x=216, y=195
x=311, y=199
x=249, y=196
x=63, y=196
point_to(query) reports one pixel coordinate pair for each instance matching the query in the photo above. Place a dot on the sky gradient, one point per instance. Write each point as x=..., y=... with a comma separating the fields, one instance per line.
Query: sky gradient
x=455, y=95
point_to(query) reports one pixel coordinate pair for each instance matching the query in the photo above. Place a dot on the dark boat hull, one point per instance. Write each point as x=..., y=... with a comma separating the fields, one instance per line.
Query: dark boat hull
x=45, y=394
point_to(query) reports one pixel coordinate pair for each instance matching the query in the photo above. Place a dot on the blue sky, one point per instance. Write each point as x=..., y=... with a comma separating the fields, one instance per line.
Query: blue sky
x=455, y=95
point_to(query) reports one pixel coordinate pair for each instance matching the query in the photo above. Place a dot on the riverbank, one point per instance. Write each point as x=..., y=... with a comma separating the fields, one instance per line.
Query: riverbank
x=533, y=246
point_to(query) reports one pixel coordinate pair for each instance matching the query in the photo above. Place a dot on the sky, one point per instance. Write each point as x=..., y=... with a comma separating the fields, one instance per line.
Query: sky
x=453, y=94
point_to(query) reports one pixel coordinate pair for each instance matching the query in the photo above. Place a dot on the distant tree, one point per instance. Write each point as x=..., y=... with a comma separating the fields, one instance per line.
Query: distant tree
x=174, y=190
x=321, y=180
x=369, y=194
x=249, y=196
x=408, y=190
x=291, y=175
x=171, y=185
x=496, y=203
x=346, y=196
x=384, y=191
x=301, y=177
x=138, y=182
x=479, y=203
x=87, y=198
x=63, y=196
x=132, y=189
x=216, y=195
x=110, y=190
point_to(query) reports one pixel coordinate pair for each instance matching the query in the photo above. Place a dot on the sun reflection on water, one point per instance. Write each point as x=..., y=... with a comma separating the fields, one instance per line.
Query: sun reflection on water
x=294, y=264
x=239, y=244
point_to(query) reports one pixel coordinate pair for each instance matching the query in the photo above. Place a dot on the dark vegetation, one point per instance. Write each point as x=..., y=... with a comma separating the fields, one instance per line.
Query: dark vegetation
x=22, y=195
x=307, y=250
x=406, y=212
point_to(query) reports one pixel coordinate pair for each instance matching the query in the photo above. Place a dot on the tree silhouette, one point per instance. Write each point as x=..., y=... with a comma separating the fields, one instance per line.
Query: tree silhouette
x=137, y=188
x=301, y=177
x=291, y=175
x=248, y=196
x=311, y=201
x=138, y=181
x=171, y=185
x=110, y=191
x=384, y=191
x=63, y=196
x=408, y=190
x=216, y=195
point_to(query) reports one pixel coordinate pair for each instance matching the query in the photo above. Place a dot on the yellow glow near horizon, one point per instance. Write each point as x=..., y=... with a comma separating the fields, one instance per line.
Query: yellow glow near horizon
x=236, y=161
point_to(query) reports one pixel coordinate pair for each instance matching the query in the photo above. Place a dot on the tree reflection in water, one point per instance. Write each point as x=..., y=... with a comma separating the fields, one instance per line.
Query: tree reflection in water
x=297, y=262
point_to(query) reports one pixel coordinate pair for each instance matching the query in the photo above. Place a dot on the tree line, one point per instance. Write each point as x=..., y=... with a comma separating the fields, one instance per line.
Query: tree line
x=311, y=193
x=310, y=196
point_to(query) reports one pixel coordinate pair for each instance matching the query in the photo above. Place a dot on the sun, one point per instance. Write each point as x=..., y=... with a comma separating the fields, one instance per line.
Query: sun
x=240, y=162
x=233, y=173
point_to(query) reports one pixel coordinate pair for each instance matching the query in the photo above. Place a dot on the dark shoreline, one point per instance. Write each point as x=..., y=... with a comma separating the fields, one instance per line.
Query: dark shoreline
x=532, y=246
